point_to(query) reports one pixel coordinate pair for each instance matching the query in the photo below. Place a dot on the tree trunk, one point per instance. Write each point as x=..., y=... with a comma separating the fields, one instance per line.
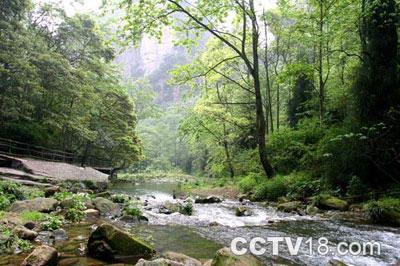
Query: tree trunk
x=260, y=119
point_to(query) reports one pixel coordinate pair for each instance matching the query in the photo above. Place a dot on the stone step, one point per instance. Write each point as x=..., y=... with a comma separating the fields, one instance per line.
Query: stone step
x=25, y=182
x=20, y=175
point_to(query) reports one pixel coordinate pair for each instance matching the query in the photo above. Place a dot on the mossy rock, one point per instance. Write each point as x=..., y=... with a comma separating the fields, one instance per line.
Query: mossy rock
x=224, y=257
x=38, y=204
x=108, y=241
x=106, y=207
x=327, y=202
x=385, y=212
x=292, y=206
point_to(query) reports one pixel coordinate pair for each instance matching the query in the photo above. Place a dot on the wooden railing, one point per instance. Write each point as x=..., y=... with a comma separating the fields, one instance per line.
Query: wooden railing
x=16, y=148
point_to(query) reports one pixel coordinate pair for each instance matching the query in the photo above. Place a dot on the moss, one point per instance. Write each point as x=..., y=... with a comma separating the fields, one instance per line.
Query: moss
x=224, y=257
x=328, y=202
x=290, y=206
x=121, y=242
x=384, y=211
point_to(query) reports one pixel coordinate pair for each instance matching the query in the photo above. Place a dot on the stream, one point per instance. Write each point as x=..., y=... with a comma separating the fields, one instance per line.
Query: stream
x=212, y=226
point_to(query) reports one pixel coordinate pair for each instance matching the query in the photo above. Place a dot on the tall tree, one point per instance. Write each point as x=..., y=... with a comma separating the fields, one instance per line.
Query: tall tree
x=150, y=16
x=377, y=87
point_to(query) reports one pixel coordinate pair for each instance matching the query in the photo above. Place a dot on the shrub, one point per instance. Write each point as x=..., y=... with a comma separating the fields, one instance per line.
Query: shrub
x=132, y=208
x=187, y=209
x=249, y=182
x=74, y=215
x=52, y=222
x=4, y=202
x=271, y=189
x=288, y=147
x=133, y=211
x=384, y=211
x=357, y=189
x=120, y=198
x=12, y=190
x=32, y=216
x=302, y=185
x=74, y=212
x=60, y=196
x=32, y=192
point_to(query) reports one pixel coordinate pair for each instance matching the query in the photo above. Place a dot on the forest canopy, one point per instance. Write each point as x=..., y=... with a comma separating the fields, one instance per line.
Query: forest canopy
x=59, y=87
x=308, y=88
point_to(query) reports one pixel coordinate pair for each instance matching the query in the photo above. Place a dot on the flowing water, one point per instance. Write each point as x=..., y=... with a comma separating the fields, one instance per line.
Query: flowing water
x=215, y=225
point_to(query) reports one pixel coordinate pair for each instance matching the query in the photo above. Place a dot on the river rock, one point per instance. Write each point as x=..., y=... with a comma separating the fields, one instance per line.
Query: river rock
x=334, y=262
x=243, y=211
x=332, y=203
x=50, y=191
x=107, y=241
x=42, y=256
x=38, y=204
x=60, y=234
x=24, y=233
x=169, y=207
x=224, y=257
x=209, y=199
x=107, y=207
x=45, y=238
x=91, y=213
x=105, y=194
x=158, y=262
x=181, y=258
x=292, y=206
x=311, y=210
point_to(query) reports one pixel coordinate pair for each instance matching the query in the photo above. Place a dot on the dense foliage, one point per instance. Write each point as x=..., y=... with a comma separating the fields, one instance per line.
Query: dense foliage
x=324, y=91
x=59, y=88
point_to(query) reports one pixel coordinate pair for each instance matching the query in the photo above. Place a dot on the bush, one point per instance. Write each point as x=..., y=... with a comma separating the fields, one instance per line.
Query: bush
x=357, y=189
x=32, y=192
x=288, y=147
x=60, y=196
x=4, y=203
x=187, y=209
x=12, y=190
x=52, y=222
x=74, y=212
x=302, y=185
x=271, y=189
x=132, y=208
x=120, y=198
x=33, y=216
x=384, y=211
x=249, y=182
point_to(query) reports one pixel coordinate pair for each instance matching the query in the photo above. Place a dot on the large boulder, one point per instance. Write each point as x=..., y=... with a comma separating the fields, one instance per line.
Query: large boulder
x=108, y=241
x=106, y=207
x=224, y=257
x=38, y=204
x=209, y=199
x=292, y=206
x=159, y=262
x=42, y=256
x=181, y=258
x=332, y=203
